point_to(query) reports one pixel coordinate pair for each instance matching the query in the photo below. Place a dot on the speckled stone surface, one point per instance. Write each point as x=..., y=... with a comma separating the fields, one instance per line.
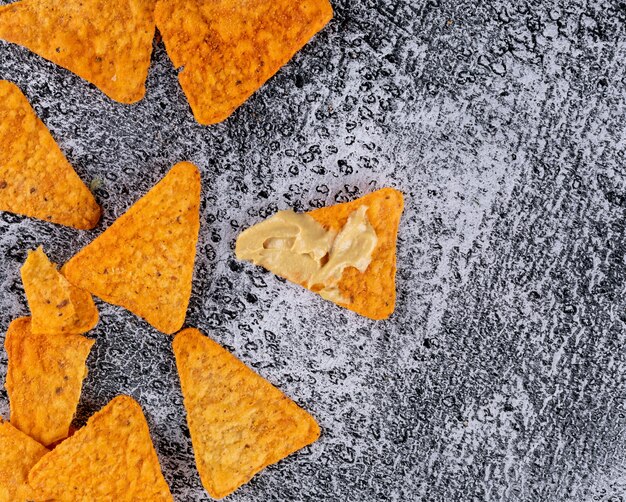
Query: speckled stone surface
x=502, y=374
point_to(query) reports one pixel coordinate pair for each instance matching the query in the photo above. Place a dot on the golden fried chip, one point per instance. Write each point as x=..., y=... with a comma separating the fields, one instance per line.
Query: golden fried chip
x=112, y=458
x=35, y=178
x=239, y=422
x=18, y=454
x=144, y=260
x=56, y=306
x=373, y=292
x=44, y=380
x=106, y=43
x=346, y=253
x=230, y=49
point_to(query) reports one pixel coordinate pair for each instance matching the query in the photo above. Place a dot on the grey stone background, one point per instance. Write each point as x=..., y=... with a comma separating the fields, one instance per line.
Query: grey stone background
x=501, y=375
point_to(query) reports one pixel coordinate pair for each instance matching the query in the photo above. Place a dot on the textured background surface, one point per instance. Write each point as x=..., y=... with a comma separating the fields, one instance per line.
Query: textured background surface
x=501, y=375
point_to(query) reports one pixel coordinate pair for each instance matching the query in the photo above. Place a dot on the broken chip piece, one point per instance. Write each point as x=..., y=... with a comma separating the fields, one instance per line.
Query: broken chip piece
x=239, y=422
x=106, y=43
x=227, y=50
x=111, y=458
x=144, y=261
x=35, y=178
x=346, y=253
x=18, y=454
x=44, y=380
x=56, y=306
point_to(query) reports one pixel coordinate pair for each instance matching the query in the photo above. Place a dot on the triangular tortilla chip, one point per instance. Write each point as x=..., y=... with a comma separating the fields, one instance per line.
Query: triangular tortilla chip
x=18, y=454
x=44, y=380
x=144, y=260
x=106, y=43
x=239, y=422
x=111, y=458
x=36, y=180
x=371, y=293
x=56, y=306
x=230, y=49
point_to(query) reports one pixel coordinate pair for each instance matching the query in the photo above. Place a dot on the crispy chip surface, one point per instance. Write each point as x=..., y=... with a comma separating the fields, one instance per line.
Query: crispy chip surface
x=239, y=422
x=229, y=49
x=107, y=43
x=56, y=306
x=44, y=380
x=144, y=260
x=373, y=292
x=18, y=454
x=112, y=458
x=35, y=178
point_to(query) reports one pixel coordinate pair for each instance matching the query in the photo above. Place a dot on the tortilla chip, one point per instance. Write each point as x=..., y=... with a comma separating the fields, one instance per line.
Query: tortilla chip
x=111, y=458
x=373, y=292
x=44, y=380
x=106, y=43
x=35, y=178
x=57, y=443
x=239, y=422
x=56, y=306
x=230, y=49
x=18, y=454
x=144, y=261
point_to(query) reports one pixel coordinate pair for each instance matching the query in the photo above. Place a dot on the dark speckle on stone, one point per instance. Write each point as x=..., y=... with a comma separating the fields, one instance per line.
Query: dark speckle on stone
x=235, y=266
x=569, y=309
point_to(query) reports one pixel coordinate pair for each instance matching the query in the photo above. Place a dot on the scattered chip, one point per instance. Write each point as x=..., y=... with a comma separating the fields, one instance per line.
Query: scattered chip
x=36, y=180
x=18, y=454
x=346, y=253
x=44, y=380
x=230, y=49
x=373, y=292
x=106, y=43
x=239, y=422
x=56, y=306
x=112, y=458
x=144, y=260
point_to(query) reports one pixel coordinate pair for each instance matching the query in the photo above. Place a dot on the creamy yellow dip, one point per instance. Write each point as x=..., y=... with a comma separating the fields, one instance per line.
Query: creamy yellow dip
x=298, y=248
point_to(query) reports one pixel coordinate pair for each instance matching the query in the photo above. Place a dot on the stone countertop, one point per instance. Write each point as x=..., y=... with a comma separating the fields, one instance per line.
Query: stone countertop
x=501, y=375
